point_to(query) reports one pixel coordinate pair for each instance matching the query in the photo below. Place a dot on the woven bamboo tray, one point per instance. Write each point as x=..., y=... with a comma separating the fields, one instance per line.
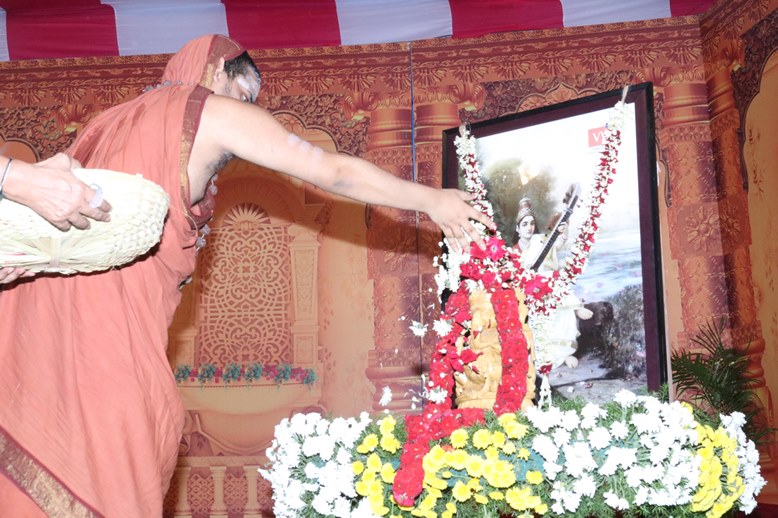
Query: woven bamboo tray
x=137, y=217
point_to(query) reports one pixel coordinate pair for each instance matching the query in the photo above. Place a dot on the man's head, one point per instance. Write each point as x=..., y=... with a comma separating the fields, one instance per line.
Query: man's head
x=237, y=78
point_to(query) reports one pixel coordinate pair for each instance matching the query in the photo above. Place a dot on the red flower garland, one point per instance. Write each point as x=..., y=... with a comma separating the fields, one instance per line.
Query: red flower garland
x=497, y=268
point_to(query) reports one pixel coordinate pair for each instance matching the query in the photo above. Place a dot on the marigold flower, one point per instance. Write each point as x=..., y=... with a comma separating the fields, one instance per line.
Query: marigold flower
x=387, y=473
x=534, y=477
x=387, y=425
x=457, y=459
x=390, y=443
x=461, y=492
x=474, y=466
x=459, y=438
x=500, y=474
x=368, y=444
x=482, y=439
x=374, y=462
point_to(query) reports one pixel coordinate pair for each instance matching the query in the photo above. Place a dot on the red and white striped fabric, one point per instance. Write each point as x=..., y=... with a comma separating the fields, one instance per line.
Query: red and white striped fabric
x=31, y=29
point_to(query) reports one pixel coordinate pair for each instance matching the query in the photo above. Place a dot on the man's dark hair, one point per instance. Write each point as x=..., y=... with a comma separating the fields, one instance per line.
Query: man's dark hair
x=241, y=64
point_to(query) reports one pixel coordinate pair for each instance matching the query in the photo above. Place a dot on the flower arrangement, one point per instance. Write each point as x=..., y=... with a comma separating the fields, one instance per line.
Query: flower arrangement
x=247, y=373
x=635, y=455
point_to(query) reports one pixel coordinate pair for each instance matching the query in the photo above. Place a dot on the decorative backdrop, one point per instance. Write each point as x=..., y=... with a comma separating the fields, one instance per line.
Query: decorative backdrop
x=363, y=268
x=80, y=28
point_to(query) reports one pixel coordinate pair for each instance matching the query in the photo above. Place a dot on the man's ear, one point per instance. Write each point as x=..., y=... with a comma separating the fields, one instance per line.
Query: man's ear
x=219, y=70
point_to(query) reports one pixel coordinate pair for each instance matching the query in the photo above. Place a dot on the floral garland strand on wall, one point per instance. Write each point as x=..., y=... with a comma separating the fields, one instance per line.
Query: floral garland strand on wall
x=249, y=373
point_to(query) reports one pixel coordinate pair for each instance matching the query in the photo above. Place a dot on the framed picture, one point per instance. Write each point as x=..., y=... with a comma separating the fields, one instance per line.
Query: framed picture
x=531, y=160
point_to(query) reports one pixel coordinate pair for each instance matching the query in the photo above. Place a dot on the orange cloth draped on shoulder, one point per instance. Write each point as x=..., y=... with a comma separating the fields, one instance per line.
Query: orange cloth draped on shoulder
x=91, y=419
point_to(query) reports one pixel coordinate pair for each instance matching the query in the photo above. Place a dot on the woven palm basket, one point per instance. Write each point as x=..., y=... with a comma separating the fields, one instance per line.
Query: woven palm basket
x=138, y=214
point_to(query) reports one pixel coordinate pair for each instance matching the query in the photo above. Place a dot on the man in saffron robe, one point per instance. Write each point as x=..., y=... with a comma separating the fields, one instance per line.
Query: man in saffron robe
x=91, y=418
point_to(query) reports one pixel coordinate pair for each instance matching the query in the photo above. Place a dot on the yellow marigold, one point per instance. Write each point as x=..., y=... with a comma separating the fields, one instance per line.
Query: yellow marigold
x=361, y=488
x=461, y=492
x=435, y=459
x=374, y=463
x=509, y=448
x=705, y=497
x=357, y=467
x=474, y=484
x=375, y=488
x=446, y=474
x=369, y=476
x=459, y=438
x=474, y=465
x=390, y=443
x=496, y=495
x=498, y=439
x=433, y=481
x=424, y=513
x=481, y=499
x=492, y=453
x=718, y=509
x=518, y=498
x=451, y=507
x=523, y=454
x=541, y=509
x=457, y=459
x=482, y=439
x=515, y=430
x=447, y=514
x=534, y=477
x=499, y=474
x=368, y=444
x=387, y=473
x=437, y=493
x=386, y=425
x=376, y=502
x=428, y=503
x=506, y=418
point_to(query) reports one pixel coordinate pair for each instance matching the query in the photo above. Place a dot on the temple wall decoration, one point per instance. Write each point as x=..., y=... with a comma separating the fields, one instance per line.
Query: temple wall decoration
x=293, y=274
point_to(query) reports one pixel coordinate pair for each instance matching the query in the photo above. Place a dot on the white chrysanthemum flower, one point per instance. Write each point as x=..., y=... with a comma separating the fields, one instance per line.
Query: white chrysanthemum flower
x=625, y=398
x=418, y=329
x=578, y=458
x=619, y=430
x=590, y=413
x=561, y=437
x=436, y=395
x=386, y=396
x=545, y=447
x=615, y=501
x=599, y=438
x=585, y=486
x=442, y=327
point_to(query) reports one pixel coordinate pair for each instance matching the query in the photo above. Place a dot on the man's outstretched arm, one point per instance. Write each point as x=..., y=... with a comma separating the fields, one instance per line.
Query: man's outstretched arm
x=251, y=133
